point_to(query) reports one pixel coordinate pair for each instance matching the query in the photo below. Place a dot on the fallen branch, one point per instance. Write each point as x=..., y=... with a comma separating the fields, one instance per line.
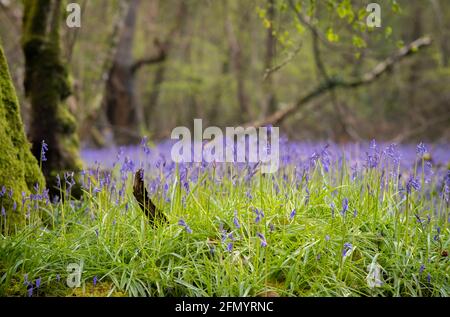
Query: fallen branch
x=335, y=82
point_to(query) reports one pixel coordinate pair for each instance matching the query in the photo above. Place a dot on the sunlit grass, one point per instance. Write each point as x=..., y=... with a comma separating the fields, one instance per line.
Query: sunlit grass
x=304, y=255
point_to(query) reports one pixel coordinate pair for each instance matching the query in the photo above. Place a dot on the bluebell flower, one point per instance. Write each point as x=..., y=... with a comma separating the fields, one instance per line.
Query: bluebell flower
x=325, y=158
x=38, y=282
x=307, y=196
x=429, y=278
x=144, y=145
x=293, y=213
x=230, y=247
x=2, y=191
x=259, y=215
x=44, y=149
x=422, y=268
x=183, y=223
x=438, y=232
x=347, y=247
x=391, y=151
x=236, y=221
x=94, y=281
x=332, y=206
x=263, y=239
x=421, y=149
x=327, y=238
x=412, y=184
x=344, y=206
x=30, y=290
x=3, y=212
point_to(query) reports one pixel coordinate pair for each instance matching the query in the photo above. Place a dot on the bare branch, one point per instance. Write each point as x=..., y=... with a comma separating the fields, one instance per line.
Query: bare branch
x=335, y=82
x=158, y=58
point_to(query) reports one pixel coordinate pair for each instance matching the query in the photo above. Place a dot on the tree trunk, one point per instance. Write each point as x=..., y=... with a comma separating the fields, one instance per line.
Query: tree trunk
x=120, y=100
x=270, y=102
x=19, y=170
x=237, y=64
x=47, y=87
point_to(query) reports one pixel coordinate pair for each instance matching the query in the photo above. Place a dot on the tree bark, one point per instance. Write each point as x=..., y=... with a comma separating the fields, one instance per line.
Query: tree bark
x=237, y=64
x=270, y=102
x=47, y=86
x=19, y=172
x=120, y=100
x=122, y=110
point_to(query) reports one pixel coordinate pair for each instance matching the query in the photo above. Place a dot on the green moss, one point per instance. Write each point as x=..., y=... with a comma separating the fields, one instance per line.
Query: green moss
x=47, y=86
x=19, y=169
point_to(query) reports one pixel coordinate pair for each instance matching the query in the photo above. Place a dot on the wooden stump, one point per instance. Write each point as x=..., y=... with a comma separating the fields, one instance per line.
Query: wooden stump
x=153, y=214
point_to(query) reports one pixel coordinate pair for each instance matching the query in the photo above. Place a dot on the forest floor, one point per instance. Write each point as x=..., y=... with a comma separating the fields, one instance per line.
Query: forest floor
x=366, y=220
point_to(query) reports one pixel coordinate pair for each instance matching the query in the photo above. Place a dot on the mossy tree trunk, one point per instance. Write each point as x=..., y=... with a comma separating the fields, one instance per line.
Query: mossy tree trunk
x=19, y=170
x=47, y=87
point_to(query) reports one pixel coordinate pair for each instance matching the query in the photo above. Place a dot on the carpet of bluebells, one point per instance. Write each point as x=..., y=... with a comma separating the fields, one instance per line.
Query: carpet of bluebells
x=354, y=220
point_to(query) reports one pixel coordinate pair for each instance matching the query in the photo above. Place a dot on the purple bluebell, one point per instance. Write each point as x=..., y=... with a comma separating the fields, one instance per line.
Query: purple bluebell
x=412, y=183
x=38, y=282
x=355, y=213
x=422, y=268
x=347, y=247
x=271, y=227
x=236, y=221
x=292, y=214
x=263, y=239
x=438, y=232
x=429, y=278
x=30, y=290
x=421, y=149
x=144, y=144
x=259, y=215
x=2, y=191
x=3, y=212
x=307, y=196
x=94, y=281
x=44, y=149
x=183, y=223
x=327, y=238
x=230, y=247
x=344, y=207
x=332, y=206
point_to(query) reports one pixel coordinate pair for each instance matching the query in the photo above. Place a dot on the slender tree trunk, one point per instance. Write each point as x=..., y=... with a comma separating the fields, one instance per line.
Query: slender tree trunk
x=19, y=170
x=120, y=100
x=270, y=103
x=47, y=87
x=237, y=64
x=160, y=73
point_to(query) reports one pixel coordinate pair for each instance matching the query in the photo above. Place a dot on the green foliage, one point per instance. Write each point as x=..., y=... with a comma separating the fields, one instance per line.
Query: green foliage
x=19, y=170
x=303, y=256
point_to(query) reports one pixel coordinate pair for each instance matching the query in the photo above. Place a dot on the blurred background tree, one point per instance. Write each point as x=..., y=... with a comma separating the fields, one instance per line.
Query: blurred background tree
x=231, y=62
